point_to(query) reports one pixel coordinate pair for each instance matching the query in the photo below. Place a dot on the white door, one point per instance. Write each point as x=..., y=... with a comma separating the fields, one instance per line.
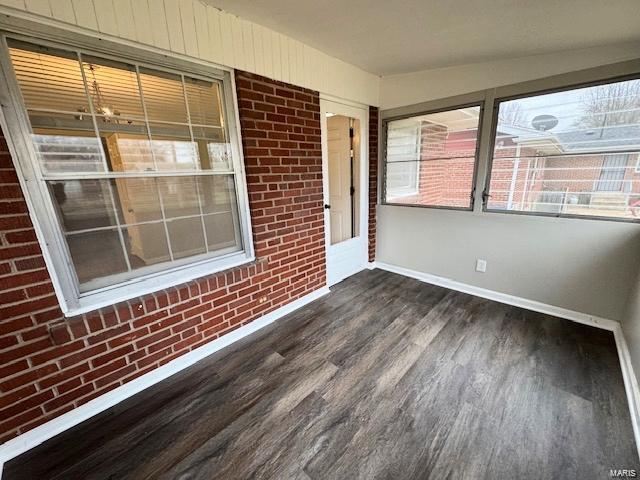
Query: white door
x=345, y=179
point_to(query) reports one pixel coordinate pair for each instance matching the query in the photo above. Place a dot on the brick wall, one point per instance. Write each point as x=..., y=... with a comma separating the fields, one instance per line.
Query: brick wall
x=50, y=364
x=373, y=179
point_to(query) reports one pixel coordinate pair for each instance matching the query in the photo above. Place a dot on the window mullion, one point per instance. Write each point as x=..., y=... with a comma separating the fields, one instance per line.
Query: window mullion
x=106, y=165
x=199, y=166
x=155, y=164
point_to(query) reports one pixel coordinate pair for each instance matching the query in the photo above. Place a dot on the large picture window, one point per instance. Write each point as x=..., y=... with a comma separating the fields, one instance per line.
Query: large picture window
x=430, y=158
x=137, y=164
x=569, y=153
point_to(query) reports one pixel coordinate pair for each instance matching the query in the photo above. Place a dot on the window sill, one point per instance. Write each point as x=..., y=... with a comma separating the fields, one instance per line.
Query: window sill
x=153, y=283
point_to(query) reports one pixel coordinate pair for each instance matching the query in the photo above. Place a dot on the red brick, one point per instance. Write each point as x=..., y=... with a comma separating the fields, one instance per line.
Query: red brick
x=281, y=135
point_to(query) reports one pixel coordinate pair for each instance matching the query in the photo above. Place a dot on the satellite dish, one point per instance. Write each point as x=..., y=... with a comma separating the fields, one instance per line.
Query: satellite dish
x=544, y=122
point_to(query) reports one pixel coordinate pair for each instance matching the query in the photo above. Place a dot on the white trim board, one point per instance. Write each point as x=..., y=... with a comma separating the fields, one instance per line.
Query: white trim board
x=628, y=374
x=40, y=434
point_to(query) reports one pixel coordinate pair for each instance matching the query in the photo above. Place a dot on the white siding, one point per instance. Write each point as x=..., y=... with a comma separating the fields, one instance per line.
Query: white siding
x=195, y=29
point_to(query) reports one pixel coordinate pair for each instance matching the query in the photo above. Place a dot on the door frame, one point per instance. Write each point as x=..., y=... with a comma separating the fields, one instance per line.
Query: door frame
x=360, y=112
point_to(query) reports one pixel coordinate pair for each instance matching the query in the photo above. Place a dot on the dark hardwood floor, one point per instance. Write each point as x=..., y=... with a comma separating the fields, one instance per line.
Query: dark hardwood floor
x=385, y=377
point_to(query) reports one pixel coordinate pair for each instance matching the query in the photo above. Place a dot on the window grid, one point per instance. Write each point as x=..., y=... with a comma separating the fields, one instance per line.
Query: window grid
x=108, y=174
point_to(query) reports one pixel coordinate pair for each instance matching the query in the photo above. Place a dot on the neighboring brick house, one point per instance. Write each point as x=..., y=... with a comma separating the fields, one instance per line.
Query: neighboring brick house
x=531, y=170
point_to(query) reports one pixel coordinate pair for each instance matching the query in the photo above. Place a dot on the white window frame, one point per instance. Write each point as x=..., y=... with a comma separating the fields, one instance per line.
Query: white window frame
x=16, y=126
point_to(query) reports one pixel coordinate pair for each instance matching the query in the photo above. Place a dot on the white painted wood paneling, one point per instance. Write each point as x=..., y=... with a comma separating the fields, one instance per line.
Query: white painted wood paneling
x=174, y=26
x=215, y=36
x=142, y=21
x=85, y=14
x=39, y=7
x=189, y=28
x=106, y=16
x=159, y=19
x=202, y=32
x=19, y=4
x=195, y=29
x=124, y=18
x=227, y=40
x=63, y=10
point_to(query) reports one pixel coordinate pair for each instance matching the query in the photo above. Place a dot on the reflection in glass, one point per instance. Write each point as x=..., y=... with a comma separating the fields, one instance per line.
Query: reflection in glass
x=217, y=193
x=221, y=231
x=146, y=244
x=179, y=196
x=49, y=79
x=430, y=158
x=172, y=147
x=83, y=204
x=573, y=152
x=113, y=88
x=96, y=254
x=187, y=237
x=163, y=96
x=204, y=102
x=138, y=199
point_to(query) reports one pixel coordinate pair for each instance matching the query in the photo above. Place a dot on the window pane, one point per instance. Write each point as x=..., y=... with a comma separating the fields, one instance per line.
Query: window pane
x=573, y=152
x=219, y=206
x=163, y=96
x=204, y=102
x=179, y=196
x=96, y=254
x=430, y=158
x=187, y=237
x=127, y=145
x=113, y=88
x=49, y=79
x=146, y=244
x=213, y=152
x=83, y=204
x=66, y=143
x=220, y=231
x=172, y=147
x=137, y=199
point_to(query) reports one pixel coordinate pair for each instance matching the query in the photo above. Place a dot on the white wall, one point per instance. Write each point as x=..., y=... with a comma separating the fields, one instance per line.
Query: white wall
x=587, y=266
x=582, y=265
x=410, y=88
x=192, y=29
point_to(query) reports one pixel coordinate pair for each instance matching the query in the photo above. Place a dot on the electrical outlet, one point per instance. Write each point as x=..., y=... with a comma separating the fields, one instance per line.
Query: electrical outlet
x=481, y=265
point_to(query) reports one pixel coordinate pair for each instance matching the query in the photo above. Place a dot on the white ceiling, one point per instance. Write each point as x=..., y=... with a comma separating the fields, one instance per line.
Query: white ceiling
x=398, y=36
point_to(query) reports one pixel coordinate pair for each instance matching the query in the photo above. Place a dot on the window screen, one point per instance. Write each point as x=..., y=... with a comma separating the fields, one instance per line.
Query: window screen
x=573, y=152
x=136, y=161
x=430, y=158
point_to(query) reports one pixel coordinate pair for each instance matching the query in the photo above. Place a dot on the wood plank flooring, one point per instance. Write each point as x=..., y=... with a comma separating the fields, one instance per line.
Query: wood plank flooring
x=384, y=378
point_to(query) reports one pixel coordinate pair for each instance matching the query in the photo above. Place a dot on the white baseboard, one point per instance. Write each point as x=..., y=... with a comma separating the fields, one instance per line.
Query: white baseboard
x=579, y=317
x=628, y=374
x=40, y=434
